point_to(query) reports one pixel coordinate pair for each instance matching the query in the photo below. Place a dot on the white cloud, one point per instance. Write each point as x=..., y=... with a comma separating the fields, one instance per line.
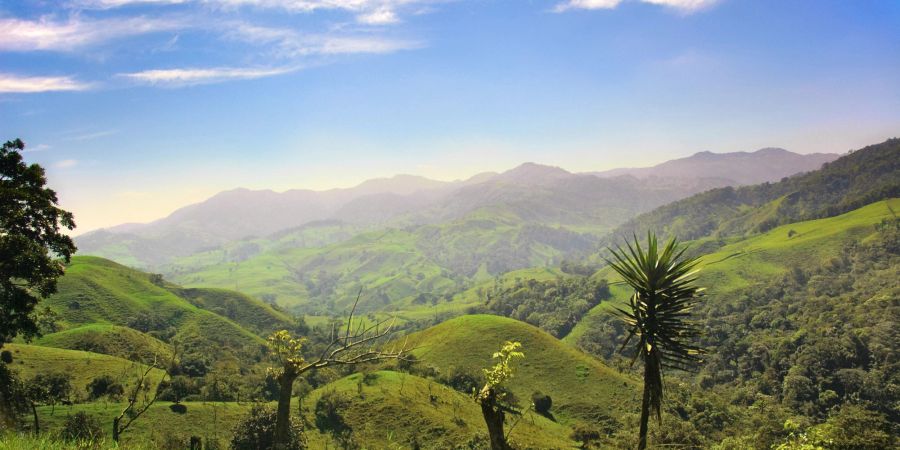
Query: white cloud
x=74, y=33
x=190, y=77
x=10, y=83
x=66, y=163
x=587, y=4
x=289, y=43
x=370, y=12
x=686, y=6
x=382, y=16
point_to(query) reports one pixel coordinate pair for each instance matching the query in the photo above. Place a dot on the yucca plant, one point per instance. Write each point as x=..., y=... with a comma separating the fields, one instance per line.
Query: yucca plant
x=658, y=314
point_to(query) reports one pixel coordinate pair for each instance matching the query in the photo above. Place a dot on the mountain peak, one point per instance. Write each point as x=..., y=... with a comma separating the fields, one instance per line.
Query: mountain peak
x=530, y=172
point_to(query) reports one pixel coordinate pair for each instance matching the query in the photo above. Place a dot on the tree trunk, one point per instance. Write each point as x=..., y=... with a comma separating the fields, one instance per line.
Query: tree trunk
x=645, y=408
x=37, y=424
x=115, y=430
x=493, y=417
x=283, y=417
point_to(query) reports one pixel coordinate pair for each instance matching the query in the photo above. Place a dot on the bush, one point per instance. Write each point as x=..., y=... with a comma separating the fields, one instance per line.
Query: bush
x=6, y=356
x=542, y=403
x=462, y=381
x=328, y=413
x=257, y=431
x=178, y=408
x=586, y=434
x=104, y=385
x=82, y=427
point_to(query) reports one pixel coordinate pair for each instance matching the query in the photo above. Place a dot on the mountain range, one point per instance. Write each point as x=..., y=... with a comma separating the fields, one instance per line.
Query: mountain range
x=592, y=203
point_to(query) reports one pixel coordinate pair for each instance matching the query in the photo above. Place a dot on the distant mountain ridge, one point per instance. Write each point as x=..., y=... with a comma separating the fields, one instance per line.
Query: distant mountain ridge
x=735, y=169
x=529, y=193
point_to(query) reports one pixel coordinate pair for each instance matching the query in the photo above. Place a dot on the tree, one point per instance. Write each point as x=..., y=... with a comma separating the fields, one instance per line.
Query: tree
x=30, y=241
x=141, y=396
x=491, y=396
x=354, y=345
x=256, y=431
x=658, y=314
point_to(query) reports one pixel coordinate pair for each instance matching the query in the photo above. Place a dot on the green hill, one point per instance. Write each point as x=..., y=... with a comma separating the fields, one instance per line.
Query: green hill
x=852, y=181
x=97, y=294
x=581, y=387
x=30, y=360
x=397, y=410
x=112, y=340
x=765, y=256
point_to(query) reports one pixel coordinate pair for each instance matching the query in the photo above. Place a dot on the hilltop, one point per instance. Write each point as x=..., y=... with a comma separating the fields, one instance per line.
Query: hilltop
x=582, y=388
x=106, y=307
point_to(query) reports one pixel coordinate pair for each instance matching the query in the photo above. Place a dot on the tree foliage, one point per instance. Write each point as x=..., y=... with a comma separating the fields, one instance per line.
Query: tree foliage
x=31, y=238
x=663, y=280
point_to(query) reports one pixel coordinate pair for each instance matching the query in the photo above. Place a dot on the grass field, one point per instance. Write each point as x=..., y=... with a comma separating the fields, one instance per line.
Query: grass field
x=113, y=340
x=581, y=386
x=30, y=360
x=395, y=410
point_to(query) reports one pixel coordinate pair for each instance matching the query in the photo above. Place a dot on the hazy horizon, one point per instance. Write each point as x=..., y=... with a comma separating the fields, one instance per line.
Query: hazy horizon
x=137, y=108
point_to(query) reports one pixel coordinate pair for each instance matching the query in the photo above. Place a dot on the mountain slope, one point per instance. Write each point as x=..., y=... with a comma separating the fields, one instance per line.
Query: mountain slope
x=532, y=193
x=734, y=169
x=582, y=388
x=862, y=177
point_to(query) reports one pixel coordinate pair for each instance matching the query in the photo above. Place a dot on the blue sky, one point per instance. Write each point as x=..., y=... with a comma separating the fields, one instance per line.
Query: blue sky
x=138, y=107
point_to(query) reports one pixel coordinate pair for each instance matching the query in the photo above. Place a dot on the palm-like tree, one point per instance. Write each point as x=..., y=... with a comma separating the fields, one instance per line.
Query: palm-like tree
x=659, y=315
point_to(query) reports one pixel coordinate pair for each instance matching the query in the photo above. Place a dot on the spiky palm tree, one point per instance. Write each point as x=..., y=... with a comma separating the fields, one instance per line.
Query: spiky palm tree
x=659, y=314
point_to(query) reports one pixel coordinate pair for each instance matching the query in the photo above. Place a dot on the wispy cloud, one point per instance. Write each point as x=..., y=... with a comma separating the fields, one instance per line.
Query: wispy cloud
x=686, y=6
x=290, y=43
x=195, y=76
x=10, y=83
x=92, y=136
x=66, y=163
x=75, y=32
x=371, y=12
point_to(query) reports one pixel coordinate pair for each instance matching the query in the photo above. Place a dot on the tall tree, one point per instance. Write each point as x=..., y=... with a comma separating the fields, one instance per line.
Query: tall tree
x=31, y=241
x=491, y=397
x=664, y=294
x=351, y=346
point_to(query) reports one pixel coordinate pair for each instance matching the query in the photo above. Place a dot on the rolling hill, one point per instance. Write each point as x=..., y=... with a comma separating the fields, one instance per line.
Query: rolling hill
x=582, y=388
x=104, y=306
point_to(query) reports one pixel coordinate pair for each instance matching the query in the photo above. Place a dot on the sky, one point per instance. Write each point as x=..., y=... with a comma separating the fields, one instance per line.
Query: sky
x=138, y=107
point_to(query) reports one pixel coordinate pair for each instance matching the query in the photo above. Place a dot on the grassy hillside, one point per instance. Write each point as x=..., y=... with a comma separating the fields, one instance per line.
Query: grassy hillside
x=761, y=257
x=112, y=340
x=30, y=360
x=581, y=387
x=852, y=181
x=159, y=425
x=395, y=410
x=398, y=269
x=96, y=295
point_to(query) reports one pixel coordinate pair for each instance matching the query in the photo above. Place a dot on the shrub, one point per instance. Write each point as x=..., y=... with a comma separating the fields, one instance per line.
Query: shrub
x=257, y=431
x=328, y=413
x=82, y=427
x=178, y=408
x=542, y=403
x=6, y=356
x=104, y=385
x=462, y=381
x=586, y=434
